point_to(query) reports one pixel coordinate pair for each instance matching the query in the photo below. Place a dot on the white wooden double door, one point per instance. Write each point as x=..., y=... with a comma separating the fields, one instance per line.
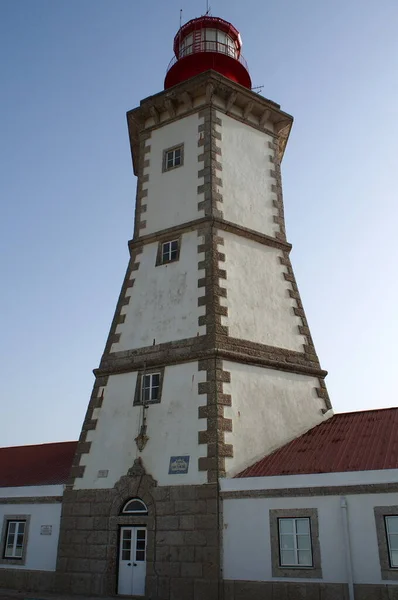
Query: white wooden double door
x=132, y=561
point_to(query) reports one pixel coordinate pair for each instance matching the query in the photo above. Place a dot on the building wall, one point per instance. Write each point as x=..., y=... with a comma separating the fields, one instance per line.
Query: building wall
x=247, y=541
x=260, y=308
x=164, y=300
x=269, y=408
x=172, y=428
x=41, y=553
x=247, y=179
x=172, y=196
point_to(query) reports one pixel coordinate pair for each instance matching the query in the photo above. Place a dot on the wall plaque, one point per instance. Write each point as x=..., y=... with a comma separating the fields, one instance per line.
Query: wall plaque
x=179, y=465
x=46, y=530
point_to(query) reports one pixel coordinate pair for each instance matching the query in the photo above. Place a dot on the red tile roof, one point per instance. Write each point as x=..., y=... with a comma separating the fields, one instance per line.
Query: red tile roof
x=357, y=441
x=45, y=464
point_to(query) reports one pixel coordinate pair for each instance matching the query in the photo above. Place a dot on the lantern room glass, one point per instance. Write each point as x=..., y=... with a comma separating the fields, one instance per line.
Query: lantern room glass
x=208, y=40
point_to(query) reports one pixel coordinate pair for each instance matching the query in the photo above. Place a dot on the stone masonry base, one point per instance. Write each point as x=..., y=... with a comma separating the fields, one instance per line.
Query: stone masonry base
x=278, y=590
x=27, y=581
x=182, y=546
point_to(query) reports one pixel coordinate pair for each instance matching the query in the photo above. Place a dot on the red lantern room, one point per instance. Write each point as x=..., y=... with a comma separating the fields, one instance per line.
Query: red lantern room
x=207, y=43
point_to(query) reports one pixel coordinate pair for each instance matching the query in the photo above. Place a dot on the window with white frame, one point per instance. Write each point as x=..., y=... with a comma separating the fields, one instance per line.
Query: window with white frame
x=295, y=542
x=295, y=546
x=391, y=523
x=15, y=539
x=170, y=251
x=173, y=158
x=150, y=390
x=135, y=507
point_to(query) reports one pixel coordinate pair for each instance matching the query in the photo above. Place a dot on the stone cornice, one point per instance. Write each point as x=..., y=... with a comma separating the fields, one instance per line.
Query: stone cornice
x=207, y=89
x=165, y=234
x=337, y=490
x=31, y=500
x=204, y=347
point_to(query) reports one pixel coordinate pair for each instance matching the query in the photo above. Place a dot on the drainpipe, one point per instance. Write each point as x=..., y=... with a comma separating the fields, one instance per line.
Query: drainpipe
x=346, y=531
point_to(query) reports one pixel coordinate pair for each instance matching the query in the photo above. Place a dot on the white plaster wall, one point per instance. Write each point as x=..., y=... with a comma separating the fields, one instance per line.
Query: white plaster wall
x=269, y=408
x=172, y=427
x=259, y=306
x=172, y=196
x=247, y=543
x=41, y=549
x=309, y=480
x=247, y=183
x=164, y=299
x=29, y=491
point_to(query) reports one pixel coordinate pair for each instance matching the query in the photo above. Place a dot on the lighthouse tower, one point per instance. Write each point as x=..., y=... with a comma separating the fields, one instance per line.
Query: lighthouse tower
x=209, y=364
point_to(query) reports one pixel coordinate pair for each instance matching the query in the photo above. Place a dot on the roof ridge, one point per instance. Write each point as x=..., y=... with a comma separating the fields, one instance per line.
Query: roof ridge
x=38, y=445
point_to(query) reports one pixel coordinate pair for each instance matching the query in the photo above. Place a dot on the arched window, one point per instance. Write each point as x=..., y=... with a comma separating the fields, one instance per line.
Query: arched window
x=135, y=507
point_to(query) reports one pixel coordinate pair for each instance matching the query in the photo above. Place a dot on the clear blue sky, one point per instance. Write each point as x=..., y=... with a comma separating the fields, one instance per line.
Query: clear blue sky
x=70, y=69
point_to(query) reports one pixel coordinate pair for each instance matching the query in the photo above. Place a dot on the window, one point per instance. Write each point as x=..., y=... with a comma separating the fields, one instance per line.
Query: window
x=295, y=548
x=149, y=387
x=168, y=252
x=135, y=507
x=386, y=518
x=14, y=539
x=392, y=539
x=173, y=157
x=295, y=542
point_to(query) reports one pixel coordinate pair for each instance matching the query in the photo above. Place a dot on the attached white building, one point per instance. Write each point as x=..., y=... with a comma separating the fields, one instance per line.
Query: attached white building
x=321, y=511
x=32, y=480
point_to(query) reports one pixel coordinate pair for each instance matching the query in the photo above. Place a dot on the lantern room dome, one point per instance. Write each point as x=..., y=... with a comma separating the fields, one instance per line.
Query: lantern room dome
x=207, y=43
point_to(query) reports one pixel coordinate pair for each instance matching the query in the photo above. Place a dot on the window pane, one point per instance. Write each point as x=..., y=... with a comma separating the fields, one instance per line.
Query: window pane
x=20, y=537
x=303, y=526
x=303, y=542
x=18, y=552
x=286, y=525
x=304, y=557
x=392, y=524
x=174, y=245
x=393, y=539
x=141, y=534
x=127, y=534
x=125, y=554
x=141, y=545
x=288, y=557
x=140, y=555
x=11, y=527
x=287, y=542
x=394, y=558
x=155, y=393
x=155, y=379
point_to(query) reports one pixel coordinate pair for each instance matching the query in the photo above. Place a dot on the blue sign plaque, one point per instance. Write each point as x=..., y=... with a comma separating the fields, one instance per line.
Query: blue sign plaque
x=179, y=465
